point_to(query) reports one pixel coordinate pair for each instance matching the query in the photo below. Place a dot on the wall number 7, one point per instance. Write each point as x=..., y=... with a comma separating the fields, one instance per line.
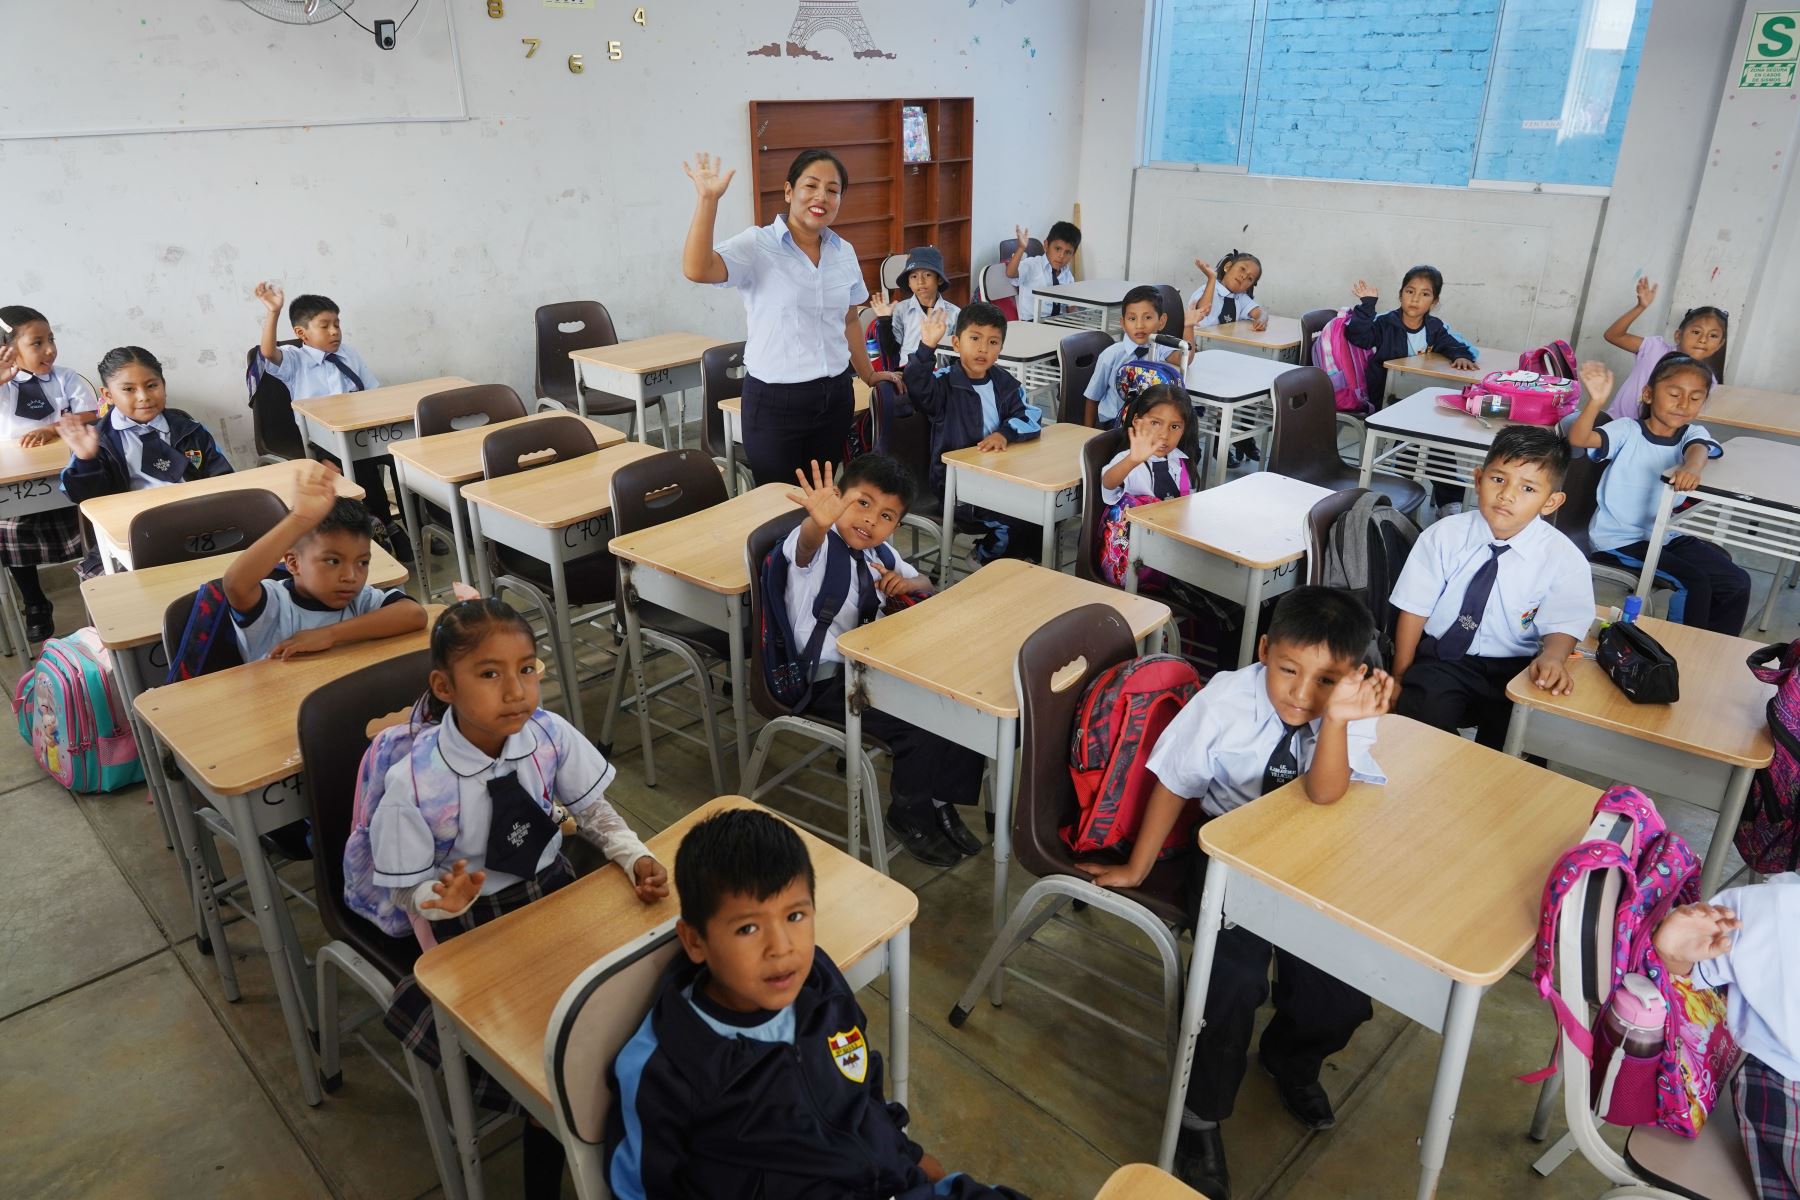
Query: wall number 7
x=531, y=42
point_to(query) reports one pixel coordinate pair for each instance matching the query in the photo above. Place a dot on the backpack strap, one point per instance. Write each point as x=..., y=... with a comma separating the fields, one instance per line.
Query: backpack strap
x=840, y=565
x=211, y=613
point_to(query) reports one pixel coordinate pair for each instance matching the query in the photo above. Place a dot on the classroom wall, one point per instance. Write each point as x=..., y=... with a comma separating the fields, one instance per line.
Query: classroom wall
x=440, y=239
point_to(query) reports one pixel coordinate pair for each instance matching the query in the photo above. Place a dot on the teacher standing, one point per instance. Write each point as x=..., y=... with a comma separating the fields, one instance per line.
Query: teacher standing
x=801, y=285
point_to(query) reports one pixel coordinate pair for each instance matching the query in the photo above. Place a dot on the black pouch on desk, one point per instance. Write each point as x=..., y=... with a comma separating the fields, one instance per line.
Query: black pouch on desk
x=1637, y=662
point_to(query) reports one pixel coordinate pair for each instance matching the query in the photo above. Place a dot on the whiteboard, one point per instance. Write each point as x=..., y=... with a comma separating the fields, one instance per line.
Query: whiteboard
x=97, y=67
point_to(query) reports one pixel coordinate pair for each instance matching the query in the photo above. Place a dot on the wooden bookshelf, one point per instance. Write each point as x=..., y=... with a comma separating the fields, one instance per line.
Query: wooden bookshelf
x=891, y=205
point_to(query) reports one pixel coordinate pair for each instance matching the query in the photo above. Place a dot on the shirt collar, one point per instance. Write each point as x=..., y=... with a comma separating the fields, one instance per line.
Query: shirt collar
x=47, y=377
x=1657, y=439
x=311, y=354
x=160, y=422
x=466, y=760
x=828, y=238
x=1525, y=539
x=301, y=600
x=1264, y=708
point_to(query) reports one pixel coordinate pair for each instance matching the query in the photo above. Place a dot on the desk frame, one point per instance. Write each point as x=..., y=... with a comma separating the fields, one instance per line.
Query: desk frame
x=1046, y=506
x=353, y=445
x=1420, y=456
x=1733, y=521
x=640, y=387
x=413, y=484
x=1211, y=572
x=24, y=498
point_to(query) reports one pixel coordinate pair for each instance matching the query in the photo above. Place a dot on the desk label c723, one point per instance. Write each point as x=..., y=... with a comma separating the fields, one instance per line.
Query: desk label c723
x=25, y=496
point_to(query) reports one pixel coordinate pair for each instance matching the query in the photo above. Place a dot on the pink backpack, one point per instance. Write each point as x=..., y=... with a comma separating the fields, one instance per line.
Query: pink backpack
x=1122, y=713
x=1769, y=837
x=1556, y=359
x=1520, y=395
x=1115, y=535
x=1345, y=365
x=1676, y=1089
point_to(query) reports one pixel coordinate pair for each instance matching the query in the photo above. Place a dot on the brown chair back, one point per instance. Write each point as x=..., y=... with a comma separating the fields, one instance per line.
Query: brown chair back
x=762, y=539
x=1319, y=521
x=909, y=441
x=442, y=412
x=201, y=526
x=662, y=487
x=1581, y=488
x=1173, y=325
x=556, y=438
x=593, y=326
x=1008, y=245
x=1075, y=359
x=721, y=378
x=1095, y=454
x=1304, y=443
x=272, y=422
x=1310, y=325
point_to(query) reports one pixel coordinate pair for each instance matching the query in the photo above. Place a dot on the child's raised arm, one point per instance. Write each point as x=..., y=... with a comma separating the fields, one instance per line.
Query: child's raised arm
x=313, y=497
x=1619, y=332
x=699, y=261
x=1202, y=305
x=1597, y=386
x=272, y=299
x=1021, y=235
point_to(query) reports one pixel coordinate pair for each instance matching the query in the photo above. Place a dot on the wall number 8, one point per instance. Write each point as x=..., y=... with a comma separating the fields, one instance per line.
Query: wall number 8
x=496, y=8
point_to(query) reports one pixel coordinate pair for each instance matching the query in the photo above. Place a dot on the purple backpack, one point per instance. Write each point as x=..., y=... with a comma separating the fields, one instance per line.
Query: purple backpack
x=1677, y=1088
x=1345, y=365
x=1769, y=837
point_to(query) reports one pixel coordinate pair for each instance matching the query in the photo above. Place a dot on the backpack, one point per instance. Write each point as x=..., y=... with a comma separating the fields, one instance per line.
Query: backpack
x=208, y=642
x=1115, y=536
x=1364, y=554
x=1556, y=359
x=788, y=667
x=1345, y=365
x=1519, y=395
x=1769, y=835
x=1138, y=375
x=70, y=713
x=1677, y=1088
x=1122, y=713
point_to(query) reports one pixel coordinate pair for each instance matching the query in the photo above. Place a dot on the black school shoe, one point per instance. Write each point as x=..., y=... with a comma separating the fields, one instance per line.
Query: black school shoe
x=950, y=824
x=1307, y=1103
x=40, y=622
x=1200, y=1162
x=919, y=835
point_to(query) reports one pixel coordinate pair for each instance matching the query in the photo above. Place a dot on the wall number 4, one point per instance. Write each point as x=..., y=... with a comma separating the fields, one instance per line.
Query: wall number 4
x=638, y=16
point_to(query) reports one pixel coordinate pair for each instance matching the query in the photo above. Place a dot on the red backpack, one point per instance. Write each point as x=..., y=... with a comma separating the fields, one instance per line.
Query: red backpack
x=1121, y=715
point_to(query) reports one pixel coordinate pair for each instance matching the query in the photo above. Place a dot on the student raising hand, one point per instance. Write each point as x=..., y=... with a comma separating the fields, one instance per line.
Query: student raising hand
x=1596, y=380
x=650, y=879
x=1646, y=292
x=1369, y=692
x=881, y=303
x=933, y=328
x=82, y=439
x=1143, y=443
x=1362, y=291
x=314, y=494
x=708, y=183
x=457, y=890
x=820, y=498
x=1206, y=268
x=271, y=295
x=9, y=363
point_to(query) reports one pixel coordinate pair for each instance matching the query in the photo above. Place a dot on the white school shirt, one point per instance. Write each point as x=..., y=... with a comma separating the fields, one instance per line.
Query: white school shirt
x=803, y=584
x=1631, y=488
x=281, y=612
x=66, y=391
x=909, y=315
x=794, y=311
x=1245, y=304
x=1543, y=584
x=1762, y=971
x=1217, y=746
x=133, y=442
x=400, y=840
x=1035, y=272
x=1139, y=481
x=1103, y=385
x=308, y=376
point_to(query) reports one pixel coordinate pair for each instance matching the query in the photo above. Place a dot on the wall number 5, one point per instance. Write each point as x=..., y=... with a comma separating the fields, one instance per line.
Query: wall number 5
x=531, y=42
x=496, y=8
x=576, y=66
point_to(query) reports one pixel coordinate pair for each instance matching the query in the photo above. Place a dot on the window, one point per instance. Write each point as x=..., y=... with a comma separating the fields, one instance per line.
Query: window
x=1404, y=91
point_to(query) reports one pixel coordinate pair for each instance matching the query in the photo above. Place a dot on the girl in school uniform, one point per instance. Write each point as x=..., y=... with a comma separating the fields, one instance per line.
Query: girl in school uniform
x=1665, y=437
x=471, y=800
x=801, y=285
x=34, y=393
x=1229, y=294
x=142, y=443
x=1700, y=334
x=1160, y=462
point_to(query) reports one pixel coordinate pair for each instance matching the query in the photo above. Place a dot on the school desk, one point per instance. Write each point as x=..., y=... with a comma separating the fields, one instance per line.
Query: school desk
x=28, y=484
x=235, y=734
x=1774, y=413
x=354, y=425
x=1243, y=540
x=641, y=370
x=1423, y=893
x=1418, y=437
x=1222, y=382
x=1703, y=748
x=1281, y=340
x=1436, y=369
x=1086, y=303
x=1141, y=1181
x=946, y=665
x=493, y=989
x=436, y=467
x=1037, y=480
x=732, y=413
x=111, y=516
x=1748, y=500
x=694, y=565
x=1029, y=354
x=557, y=514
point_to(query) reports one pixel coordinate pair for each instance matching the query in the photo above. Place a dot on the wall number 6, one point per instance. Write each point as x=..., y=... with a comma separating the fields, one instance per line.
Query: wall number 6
x=576, y=66
x=531, y=42
x=496, y=8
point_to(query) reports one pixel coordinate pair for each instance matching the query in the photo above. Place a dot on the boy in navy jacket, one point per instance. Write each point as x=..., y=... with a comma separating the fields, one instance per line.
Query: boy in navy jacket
x=751, y=1075
x=972, y=402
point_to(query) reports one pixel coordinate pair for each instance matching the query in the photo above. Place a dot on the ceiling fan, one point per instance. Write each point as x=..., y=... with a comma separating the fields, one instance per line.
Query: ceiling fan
x=298, y=12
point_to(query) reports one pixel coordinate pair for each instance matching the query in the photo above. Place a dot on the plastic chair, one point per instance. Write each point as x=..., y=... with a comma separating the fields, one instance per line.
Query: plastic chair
x=272, y=422
x=721, y=378
x=442, y=412
x=1304, y=443
x=1312, y=323
x=1173, y=308
x=553, y=589
x=201, y=526
x=333, y=736
x=828, y=735
x=1095, y=454
x=1008, y=245
x=1612, y=582
x=1656, y=1164
x=1054, y=667
x=1076, y=355
x=905, y=433
x=995, y=285
x=1319, y=520
x=647, y=492
x=556, y=378
x=893, y=272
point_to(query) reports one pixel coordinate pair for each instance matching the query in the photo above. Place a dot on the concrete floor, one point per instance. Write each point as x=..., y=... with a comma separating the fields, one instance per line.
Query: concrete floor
x=123, y=1073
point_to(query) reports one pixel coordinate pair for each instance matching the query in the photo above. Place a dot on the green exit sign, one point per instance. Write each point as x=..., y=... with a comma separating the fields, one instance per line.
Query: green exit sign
x=1773, y=52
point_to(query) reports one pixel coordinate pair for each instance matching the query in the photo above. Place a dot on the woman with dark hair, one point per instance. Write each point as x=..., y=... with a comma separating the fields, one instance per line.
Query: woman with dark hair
x=801, y=285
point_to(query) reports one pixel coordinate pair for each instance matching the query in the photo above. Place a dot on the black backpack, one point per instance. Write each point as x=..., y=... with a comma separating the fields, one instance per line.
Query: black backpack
x=1364, y=555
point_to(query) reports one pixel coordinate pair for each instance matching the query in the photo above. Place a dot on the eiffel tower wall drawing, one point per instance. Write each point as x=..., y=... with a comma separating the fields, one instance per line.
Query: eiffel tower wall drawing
x=819, y=16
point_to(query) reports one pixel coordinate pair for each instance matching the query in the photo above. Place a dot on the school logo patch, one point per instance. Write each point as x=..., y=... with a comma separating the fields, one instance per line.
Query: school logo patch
x=850, y=1054
x=194, y=457
x=1528, y=617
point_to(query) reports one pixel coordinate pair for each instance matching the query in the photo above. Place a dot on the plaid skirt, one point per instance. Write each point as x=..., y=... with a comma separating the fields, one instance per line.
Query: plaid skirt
x=1768, y=1112
x=409, y=1016
x=40, y=538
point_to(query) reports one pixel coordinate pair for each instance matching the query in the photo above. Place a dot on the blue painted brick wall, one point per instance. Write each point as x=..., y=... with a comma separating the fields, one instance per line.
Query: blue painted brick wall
x=1206, y=43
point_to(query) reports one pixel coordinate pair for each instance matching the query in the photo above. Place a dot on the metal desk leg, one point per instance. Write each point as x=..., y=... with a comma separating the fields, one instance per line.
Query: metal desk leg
x=740, y=685
x=462, y=1102
x=1003, y=798
x=459, y=533
x=1049, y=524
x=1653, y=551
x=948, y=538
x=1459, y=1031
x=853, y=776
x=1731, y=810
x=1206, y=940
x=409, y=514
x=207, y=922
x=1515, y=732
x=1368, y=458
x=1255, y=577
x=562, y=641
x=1223, y=454
x=634, y=645
x=1134, y=555
x=1768, y=608
x=265, y=894
x=484, y=578
x=731, y=486
x=899, y=956
x=643, y=428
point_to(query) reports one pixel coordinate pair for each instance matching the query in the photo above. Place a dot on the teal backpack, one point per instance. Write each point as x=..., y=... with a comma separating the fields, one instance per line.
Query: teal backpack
x=70, y=713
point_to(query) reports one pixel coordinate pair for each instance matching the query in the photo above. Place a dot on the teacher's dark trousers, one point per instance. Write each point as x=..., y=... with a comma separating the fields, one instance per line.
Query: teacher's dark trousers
x=788, y=425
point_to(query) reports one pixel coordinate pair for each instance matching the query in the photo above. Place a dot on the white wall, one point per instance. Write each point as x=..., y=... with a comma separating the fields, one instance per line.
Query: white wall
x=1112, y=98
x=440, y=239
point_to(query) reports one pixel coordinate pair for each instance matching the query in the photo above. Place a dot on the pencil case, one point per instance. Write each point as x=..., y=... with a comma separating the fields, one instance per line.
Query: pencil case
x=1638, y=664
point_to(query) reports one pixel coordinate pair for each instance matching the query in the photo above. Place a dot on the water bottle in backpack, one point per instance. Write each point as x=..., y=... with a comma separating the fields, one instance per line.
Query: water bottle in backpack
x=1634, y=1026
